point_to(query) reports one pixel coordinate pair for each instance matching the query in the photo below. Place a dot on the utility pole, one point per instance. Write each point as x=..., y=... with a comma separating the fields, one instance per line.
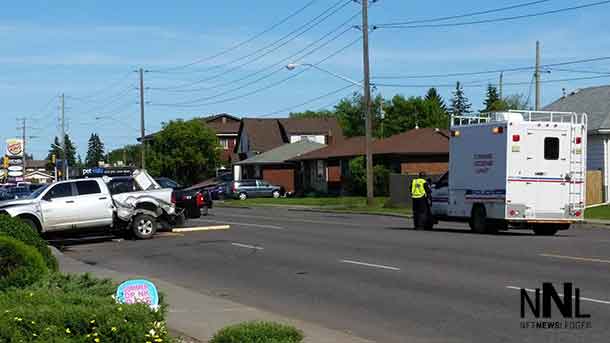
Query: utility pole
x=23, y=144
x=64, y=155
x=501, y=84
x=537, y=76
x=367, y=103
x=142, y=131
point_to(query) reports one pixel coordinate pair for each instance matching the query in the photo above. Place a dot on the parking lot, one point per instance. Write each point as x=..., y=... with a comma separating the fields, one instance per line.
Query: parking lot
x=372, y=275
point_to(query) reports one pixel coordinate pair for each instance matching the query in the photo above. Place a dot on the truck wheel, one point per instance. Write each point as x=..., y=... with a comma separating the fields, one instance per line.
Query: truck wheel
x=144, y=226
x=545, y=230
x=478, y=219
x=29, y=222
x=243, y=196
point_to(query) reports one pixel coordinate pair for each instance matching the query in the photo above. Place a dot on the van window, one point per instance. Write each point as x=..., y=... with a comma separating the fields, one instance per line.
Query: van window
x=87, y=187
x=551, y=148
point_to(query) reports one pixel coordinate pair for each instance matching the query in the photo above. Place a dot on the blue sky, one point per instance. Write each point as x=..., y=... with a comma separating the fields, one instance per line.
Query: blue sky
x=89, y=49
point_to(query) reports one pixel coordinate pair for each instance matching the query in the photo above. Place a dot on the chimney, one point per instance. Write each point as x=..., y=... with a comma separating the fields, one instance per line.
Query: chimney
x=329, y=137
x=224, y=120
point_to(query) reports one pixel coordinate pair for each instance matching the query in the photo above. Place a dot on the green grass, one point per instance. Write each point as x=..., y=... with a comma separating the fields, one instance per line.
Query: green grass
x=353, y=204
x=600, y=212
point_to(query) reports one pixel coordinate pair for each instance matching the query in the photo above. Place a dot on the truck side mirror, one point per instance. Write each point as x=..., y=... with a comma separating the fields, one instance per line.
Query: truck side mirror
x=47, y=197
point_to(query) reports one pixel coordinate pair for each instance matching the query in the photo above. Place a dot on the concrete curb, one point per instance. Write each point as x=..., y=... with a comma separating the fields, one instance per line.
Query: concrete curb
x=198, y=315
x=321, y=210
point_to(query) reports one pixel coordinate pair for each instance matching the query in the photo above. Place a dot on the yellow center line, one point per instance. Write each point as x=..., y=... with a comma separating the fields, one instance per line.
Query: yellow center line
x=583, y=259
x=201, y=228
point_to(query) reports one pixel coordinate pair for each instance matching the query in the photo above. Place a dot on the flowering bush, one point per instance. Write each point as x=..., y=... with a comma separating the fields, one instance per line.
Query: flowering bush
x=18, y=230
x=20, y=264
x=258, y=332
x=76, y=309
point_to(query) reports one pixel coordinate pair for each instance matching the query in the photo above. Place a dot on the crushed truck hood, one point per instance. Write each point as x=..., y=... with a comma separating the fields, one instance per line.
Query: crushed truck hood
x=17, y=202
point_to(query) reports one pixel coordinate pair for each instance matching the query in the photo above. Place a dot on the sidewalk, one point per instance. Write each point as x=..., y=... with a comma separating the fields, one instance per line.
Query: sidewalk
x=200, y=316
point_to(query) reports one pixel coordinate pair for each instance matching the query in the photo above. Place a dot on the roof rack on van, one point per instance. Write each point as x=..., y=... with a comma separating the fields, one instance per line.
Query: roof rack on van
x=518, y=115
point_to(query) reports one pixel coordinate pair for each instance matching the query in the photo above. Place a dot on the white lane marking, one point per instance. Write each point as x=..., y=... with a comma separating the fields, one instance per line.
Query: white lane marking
x=605, y=302
x=301, y=220
x=202, y=228
x=369, y=264
x=585, y=259
x=247, y=246
x=243, y=224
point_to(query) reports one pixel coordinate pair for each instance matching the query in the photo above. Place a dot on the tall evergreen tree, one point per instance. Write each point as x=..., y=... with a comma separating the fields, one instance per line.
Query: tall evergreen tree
x=57, y=151
x=492, y=99
x=433, y=97
x=459, y=104
x=95, y=151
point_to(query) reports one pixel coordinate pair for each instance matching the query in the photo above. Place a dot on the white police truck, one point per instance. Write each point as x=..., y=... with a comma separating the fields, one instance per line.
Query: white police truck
x=517, y=169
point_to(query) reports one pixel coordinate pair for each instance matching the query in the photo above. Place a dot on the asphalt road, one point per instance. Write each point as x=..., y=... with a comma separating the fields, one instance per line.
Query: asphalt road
x=374, y=276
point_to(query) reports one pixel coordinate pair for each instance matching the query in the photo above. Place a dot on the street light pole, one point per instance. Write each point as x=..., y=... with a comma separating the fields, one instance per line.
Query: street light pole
x=367, y=103
x=142, y=130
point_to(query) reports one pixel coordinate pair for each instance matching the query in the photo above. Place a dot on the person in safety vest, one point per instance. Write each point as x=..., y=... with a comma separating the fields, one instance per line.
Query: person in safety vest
x=421, y=198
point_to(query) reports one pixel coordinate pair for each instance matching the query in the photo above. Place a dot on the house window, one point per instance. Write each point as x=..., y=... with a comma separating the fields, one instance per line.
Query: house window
x=224, y=143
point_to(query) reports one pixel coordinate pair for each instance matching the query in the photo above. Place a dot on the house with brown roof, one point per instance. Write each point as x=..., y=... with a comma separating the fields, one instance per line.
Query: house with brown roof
x=259, y=135
x=327, y=170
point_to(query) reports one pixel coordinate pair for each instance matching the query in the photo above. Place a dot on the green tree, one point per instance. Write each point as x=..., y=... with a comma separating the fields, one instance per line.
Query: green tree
x=460, y=105
x=516, y=102
x=187, y=151
x=350, y=112
x=57, y=151
x=129, y=155
x=95, y=151
x=492, y=100
x=405, y=114
x=433, y=96
x=313, y=114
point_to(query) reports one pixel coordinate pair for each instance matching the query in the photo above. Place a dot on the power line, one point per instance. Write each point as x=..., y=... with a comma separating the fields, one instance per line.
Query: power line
x=261, y=89
x=493, y=20
x=312, y=23
x=582, y=71
x=97, y=93
x=419, y=21
x=278, y=63
x=307, y=102
x=242, y=43
x=495, y=71
x=485, y=84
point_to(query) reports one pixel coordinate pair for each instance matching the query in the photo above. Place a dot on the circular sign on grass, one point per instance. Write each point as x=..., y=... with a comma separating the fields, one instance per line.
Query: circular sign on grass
x=138, y=292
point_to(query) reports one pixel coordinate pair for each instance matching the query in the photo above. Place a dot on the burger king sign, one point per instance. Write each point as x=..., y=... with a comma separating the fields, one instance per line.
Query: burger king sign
x=14, y=147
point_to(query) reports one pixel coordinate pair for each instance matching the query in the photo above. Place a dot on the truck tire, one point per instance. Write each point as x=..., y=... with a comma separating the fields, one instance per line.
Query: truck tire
x=545, y=230
x=243, y=196
x=30, y=222
x=478, y=219
x=144, y=226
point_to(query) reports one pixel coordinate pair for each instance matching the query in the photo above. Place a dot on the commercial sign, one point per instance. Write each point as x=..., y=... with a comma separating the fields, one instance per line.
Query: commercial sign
x=14, y=147
x=138, y=292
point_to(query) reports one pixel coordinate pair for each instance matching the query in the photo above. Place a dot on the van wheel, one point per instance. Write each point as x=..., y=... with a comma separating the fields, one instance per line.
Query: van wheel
x=144, y=226
x=478, y=219
x=545, y=230
x=243, y=196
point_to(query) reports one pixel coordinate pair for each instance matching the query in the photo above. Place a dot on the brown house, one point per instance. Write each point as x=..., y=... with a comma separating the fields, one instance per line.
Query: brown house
x=259, y=135
x=327, y=169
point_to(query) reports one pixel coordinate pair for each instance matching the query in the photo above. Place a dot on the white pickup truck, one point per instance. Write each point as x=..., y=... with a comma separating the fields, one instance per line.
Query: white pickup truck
x=85, y=203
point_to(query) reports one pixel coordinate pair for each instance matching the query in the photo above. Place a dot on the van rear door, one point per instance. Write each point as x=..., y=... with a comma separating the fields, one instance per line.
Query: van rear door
x=548, y=171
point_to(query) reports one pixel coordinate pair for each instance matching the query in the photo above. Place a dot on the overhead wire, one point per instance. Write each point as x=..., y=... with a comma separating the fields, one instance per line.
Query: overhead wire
x=492, y=20
x=242, y=43
x=261, y=89
x=303, y=28
x=277, y=63
x=485, y=84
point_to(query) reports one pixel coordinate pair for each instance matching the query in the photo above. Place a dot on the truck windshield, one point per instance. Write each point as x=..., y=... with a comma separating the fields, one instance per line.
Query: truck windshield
x=37, y=192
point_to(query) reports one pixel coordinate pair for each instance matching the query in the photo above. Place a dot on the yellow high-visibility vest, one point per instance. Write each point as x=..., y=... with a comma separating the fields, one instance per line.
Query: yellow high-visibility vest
x=417, y=188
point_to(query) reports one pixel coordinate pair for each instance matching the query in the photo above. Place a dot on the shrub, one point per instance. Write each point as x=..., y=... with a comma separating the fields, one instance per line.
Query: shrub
x=70, y=309
x=15, y=228
x=20, y=264
x=258, y=332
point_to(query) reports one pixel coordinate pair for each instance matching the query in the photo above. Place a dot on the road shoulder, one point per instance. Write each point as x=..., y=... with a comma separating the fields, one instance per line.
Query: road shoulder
x=200, y=316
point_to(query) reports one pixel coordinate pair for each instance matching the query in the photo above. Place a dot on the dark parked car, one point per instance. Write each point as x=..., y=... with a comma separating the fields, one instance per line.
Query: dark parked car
x=6, y=196
x=194, y=202
x=19, y=192
x=244, y=189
